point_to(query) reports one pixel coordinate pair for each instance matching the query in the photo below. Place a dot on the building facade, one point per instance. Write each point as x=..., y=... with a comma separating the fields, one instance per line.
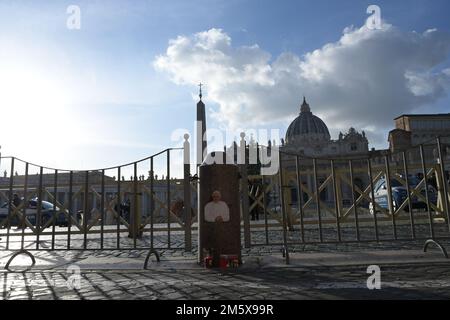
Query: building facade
x=415, y=129
x=308, y=135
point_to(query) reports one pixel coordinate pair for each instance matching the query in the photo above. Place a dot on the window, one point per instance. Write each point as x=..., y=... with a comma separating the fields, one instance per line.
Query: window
x=353, y=147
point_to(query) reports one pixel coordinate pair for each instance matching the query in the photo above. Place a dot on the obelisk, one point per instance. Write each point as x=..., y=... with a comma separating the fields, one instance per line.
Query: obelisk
x=201, y=128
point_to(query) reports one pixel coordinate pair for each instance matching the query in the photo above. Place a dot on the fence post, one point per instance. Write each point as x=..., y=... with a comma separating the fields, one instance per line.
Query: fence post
x=169, y=218
x=290, y=219
x=444, y=189
x=242, y=158
x=283, y=212
x=187, y=195
x=425, y=181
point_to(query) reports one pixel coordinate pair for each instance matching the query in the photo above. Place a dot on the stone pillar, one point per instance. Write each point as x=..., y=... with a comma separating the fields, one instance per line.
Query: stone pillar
x=187, y=195
x=217, y=237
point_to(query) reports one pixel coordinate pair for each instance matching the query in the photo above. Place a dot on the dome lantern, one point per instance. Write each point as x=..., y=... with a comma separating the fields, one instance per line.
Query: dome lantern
x=305, y=106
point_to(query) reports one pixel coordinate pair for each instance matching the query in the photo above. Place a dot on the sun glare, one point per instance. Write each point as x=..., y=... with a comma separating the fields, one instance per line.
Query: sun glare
x=34, y=111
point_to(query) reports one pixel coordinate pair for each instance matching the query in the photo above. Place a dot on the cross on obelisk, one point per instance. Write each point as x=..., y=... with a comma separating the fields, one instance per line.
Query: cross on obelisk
x=200, y=95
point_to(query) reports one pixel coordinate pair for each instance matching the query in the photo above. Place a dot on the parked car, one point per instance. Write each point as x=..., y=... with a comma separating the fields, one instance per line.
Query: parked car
x=400, y=193
x=47, y=212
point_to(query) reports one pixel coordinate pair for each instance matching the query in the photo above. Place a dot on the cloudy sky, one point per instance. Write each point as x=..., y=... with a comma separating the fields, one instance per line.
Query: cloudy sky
x=125, y=84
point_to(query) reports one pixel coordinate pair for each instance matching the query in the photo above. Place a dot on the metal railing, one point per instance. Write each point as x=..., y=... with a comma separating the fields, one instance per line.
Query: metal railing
x=376, y=198
x=381, y=198
x=44, y=208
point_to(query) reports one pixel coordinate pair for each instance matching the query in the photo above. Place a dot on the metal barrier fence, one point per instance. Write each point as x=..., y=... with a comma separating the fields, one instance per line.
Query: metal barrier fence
x=52, y=209
x=381, y=198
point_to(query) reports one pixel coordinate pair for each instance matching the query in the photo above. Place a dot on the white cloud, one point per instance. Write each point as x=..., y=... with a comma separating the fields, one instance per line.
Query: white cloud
x=365, y=79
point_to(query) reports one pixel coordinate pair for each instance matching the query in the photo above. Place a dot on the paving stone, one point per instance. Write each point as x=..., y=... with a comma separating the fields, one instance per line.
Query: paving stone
x=44, y=297
x=410, y=281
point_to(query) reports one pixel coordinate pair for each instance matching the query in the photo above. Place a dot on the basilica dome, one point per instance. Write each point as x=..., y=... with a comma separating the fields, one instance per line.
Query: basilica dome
x=307, y=128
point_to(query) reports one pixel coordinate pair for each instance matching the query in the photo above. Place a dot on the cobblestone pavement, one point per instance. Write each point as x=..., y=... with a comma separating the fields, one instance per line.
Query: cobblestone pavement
x=397, y=282
x=126, y=280
x=259, y=237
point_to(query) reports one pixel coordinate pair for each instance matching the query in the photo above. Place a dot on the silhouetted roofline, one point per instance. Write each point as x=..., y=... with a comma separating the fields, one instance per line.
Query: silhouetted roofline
x=431, y=115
